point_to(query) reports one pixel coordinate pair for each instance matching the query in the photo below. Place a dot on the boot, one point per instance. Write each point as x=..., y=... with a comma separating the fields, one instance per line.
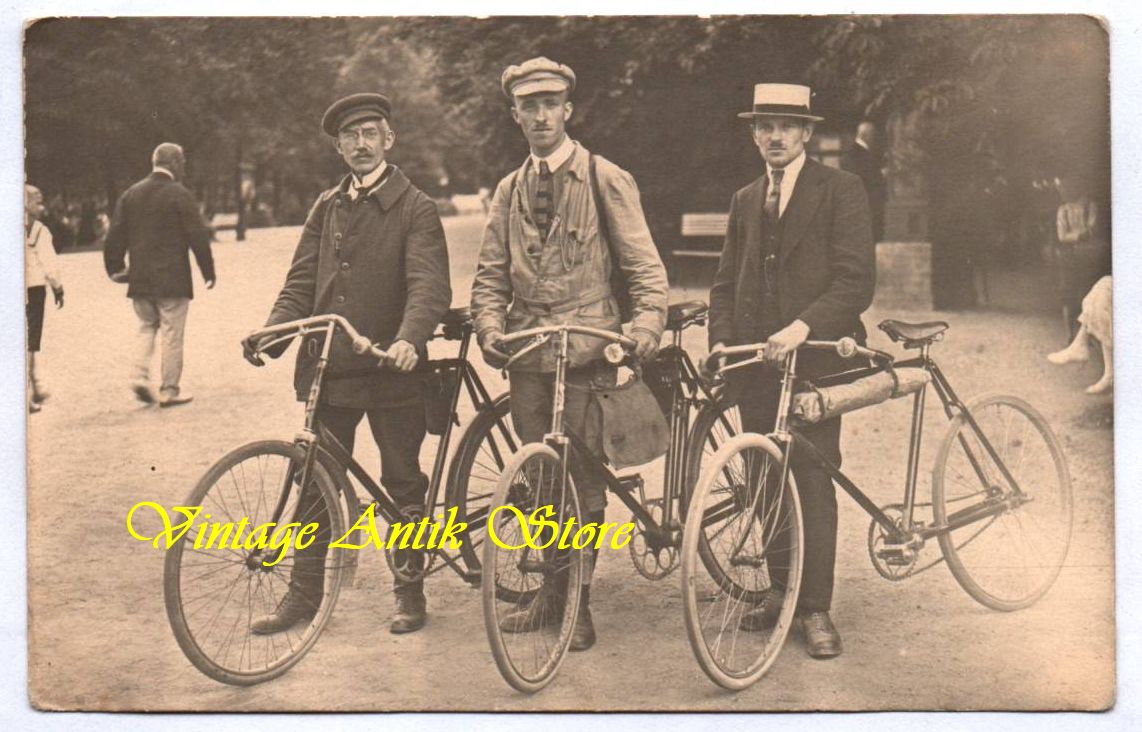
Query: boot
x=544, y=610
x=583, y=634
x=411, y=608
x=300, y=602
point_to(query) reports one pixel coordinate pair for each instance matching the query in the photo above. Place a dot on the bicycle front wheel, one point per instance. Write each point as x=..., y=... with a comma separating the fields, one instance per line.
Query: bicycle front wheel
x=529, y=630
x=1011, y=510
x=747, y=515
x=214, y=586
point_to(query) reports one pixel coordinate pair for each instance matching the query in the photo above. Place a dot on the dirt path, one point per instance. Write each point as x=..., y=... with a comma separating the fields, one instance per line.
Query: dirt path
x=100, y=639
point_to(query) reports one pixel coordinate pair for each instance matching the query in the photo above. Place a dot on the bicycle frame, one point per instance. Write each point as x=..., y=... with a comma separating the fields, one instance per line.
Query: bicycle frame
x=789, y=436
x=315, y=438
x=689, y=390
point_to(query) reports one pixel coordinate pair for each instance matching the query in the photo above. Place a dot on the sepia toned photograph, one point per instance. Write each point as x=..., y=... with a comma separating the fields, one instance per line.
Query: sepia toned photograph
x=558, y=363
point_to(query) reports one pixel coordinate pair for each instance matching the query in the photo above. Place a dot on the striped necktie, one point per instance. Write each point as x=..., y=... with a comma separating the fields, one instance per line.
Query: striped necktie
x=773, y=197
x=544, y=195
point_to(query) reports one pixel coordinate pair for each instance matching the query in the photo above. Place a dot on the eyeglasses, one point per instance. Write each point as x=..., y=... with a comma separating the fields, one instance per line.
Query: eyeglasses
x=370, y=134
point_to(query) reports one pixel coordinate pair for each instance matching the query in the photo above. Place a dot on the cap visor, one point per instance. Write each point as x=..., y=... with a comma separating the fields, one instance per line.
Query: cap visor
x=538, y=86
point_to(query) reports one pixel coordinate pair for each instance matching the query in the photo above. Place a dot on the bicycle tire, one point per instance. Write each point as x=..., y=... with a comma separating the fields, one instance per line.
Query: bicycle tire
x=1048, y=515
x=731, y=655
x=259, y=657
x=526, y=484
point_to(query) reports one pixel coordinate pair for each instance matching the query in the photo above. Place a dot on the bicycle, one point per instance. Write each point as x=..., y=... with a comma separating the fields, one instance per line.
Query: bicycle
x=1000, y=500
x=211, y=596
x=538, y=476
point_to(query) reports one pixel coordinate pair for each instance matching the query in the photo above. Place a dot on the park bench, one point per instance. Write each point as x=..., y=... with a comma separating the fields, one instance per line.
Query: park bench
x=702, y=235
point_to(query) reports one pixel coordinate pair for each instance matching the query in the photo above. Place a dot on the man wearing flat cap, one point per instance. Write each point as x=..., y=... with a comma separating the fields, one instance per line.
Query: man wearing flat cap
x=565, y=233
x=798, y=262
x=372, y=250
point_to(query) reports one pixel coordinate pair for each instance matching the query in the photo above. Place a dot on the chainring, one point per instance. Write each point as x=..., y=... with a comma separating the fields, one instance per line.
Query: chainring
x=650, y=563
x=877, y=534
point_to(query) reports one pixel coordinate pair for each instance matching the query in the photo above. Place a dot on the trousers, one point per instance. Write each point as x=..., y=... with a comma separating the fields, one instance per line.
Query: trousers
x=164, y=317
x=818, y=495
x=532, y=393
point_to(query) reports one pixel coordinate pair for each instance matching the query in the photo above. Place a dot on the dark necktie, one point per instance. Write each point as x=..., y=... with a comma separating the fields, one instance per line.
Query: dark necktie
x=773, y=197
x=544, y=195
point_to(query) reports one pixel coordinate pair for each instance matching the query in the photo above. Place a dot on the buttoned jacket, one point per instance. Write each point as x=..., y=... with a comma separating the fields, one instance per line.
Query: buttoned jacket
x=382, y=262
x=156, y=222
x=826, y=266
x=522, y=282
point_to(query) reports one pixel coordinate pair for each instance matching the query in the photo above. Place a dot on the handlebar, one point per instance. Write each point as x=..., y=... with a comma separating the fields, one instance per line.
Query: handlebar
x=544, y=333
x=845, y=348
x=286, y=331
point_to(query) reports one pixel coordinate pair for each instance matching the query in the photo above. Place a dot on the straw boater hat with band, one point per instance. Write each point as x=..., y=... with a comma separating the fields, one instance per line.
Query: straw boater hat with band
x=781, y=100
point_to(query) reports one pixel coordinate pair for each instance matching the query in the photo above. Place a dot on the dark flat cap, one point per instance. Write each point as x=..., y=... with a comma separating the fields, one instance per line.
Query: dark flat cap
x=354, y=108
x=537, y=75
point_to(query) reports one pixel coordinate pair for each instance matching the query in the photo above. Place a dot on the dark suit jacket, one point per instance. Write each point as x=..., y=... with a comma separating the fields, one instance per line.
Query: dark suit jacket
x=382, y=262
x=156, y=221
x=826, y=268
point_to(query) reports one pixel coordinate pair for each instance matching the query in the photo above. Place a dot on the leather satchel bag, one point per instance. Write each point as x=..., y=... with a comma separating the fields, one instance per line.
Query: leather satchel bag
x=634, y=429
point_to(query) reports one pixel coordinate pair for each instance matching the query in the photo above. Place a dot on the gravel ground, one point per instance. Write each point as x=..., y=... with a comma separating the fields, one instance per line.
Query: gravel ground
x=99, y=638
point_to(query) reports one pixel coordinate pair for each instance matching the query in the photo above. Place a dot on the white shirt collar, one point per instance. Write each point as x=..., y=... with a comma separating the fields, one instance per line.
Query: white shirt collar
x=367, y=182
x=788, y=180
x=164, y=171
x=557, y=158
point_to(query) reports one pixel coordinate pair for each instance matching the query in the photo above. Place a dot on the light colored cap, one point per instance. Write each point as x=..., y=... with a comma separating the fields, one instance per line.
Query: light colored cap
x=537, y=75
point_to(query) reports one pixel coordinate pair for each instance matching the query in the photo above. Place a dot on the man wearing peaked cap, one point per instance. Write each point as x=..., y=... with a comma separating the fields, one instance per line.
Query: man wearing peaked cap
x=344, y=264
x=565, y=238
x=798, y=262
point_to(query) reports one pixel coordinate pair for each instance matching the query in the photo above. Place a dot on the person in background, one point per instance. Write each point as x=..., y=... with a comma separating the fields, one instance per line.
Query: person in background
x=864, y=159
x=155, y=224
x=41, y=270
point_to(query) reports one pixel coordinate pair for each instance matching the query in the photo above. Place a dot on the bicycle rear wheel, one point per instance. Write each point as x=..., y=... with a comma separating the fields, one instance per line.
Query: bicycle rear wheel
x=1009, y=559
x=213, y=591
x=749, y=519
x=485, y=448
x=529, y=631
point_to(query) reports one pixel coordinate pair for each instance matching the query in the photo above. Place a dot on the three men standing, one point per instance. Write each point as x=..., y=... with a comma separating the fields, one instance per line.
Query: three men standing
x=155, y=222
x=798, y=262
x=547, y=257
x=373, y=251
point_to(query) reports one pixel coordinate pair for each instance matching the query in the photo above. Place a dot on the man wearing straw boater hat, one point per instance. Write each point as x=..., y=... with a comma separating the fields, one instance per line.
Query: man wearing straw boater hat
x=798, y=263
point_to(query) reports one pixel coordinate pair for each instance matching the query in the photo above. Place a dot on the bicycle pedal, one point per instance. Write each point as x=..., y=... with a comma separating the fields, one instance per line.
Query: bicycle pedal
x=631, y=482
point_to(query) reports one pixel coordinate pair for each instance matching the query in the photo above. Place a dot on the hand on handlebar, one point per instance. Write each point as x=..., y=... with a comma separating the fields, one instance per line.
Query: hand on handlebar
x=251, y=350
x=711, y=362
x=491, y=348
x=403, y=356
x=646, y=344
x=785, y=341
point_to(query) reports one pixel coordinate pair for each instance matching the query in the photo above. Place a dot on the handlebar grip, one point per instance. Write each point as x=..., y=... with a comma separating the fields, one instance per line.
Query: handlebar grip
x=361, y=345
x=846, y=347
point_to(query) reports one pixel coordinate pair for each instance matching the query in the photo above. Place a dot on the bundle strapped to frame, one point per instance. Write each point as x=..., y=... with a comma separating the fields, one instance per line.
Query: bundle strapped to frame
x=819, y=404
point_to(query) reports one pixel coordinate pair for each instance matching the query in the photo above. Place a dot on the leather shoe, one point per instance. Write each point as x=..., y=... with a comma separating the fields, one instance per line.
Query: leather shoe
x=583, y=634
x=177, y=399
x=821, y=635
x=764, y=616
x=411, y=613
x=295, y=608
x=143, y=392
x=544, y=610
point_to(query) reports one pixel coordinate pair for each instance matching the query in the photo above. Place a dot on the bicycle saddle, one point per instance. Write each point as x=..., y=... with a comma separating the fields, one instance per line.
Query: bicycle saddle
x=454, y=322
x=913, y=333
x=685, y=314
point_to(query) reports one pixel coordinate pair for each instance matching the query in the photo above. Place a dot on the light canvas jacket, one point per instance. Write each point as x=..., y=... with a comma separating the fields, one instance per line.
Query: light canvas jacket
x=567, y=278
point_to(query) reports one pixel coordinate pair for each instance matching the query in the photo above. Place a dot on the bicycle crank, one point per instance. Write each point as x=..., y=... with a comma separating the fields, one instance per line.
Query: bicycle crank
x=893, y=560
x=652, y=557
